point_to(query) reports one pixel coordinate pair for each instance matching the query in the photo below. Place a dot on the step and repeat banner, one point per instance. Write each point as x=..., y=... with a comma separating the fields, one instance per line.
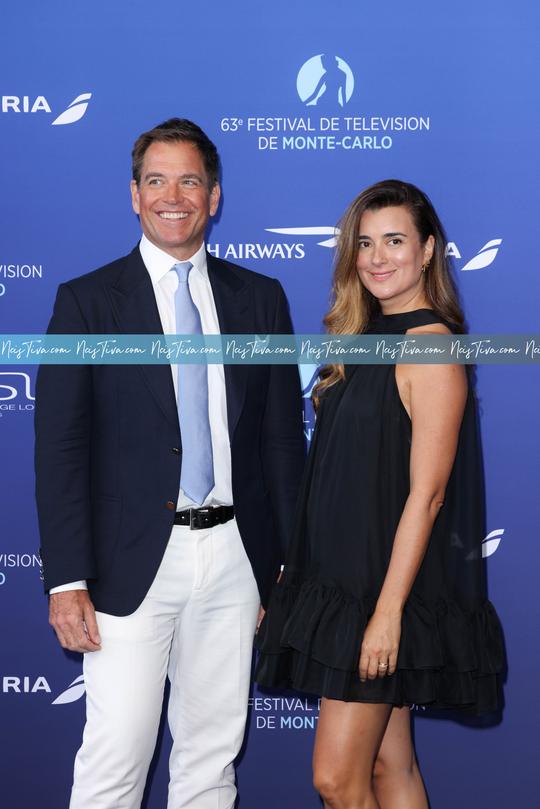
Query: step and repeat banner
x=308, y=102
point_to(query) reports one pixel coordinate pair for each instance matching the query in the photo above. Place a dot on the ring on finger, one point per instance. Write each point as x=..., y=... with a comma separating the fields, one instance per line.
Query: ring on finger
x=383, y=666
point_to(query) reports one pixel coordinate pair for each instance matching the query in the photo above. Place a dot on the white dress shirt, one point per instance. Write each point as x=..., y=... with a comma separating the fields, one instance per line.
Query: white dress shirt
x=165, y=283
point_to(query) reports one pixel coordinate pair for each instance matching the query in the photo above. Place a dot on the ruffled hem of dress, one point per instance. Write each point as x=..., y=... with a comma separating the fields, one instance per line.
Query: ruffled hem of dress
x=310, y=640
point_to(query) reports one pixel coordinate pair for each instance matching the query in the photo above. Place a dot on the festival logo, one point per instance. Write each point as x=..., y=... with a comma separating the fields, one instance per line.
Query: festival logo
x=325, y=81
x=325, y=84
x=284, y=713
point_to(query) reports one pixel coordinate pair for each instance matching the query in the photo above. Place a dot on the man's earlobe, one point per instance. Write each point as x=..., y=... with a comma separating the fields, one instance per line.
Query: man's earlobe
x=215, y=195
x=134, y=188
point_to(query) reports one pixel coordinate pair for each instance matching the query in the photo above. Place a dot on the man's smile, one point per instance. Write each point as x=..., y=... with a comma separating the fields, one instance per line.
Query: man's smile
x=173, y=214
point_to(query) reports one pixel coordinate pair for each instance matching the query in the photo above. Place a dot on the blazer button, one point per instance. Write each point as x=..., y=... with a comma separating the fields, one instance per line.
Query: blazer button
x=176, y=450
x=170, y=505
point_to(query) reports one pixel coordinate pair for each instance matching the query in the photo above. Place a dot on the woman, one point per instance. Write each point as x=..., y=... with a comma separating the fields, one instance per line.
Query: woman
x=382, y=604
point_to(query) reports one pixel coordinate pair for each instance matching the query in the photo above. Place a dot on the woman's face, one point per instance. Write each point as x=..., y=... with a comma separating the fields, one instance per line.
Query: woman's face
x=390, y=258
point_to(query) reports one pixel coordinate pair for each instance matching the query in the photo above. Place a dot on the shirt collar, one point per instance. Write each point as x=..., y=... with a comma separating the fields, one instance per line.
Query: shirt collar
x=158, y=262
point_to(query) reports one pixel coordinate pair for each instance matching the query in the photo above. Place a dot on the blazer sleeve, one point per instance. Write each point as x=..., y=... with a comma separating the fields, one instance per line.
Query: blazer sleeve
x=283, y=434
x=63, y=428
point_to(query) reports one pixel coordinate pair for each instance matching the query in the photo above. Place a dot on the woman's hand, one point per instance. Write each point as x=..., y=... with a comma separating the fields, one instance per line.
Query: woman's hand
x=260, y=617
x=378, y=656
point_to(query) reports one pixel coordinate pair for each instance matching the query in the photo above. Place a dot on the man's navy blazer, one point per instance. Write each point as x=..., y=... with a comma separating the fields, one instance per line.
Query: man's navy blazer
x=108, y=445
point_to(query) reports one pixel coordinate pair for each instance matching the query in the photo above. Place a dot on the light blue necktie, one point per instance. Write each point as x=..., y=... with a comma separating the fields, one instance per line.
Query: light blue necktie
x=197, y=477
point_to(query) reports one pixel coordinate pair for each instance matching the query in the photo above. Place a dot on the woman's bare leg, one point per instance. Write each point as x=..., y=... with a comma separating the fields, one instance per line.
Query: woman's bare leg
x=348, y=738
x=396, y=778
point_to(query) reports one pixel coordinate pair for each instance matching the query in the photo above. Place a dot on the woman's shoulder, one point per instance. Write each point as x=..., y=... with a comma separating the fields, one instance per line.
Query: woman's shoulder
x=421, y=321
x=430, y=382
x=437, y=327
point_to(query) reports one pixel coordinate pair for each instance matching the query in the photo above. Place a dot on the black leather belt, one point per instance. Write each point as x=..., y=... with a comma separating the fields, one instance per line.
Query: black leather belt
x=198, y=518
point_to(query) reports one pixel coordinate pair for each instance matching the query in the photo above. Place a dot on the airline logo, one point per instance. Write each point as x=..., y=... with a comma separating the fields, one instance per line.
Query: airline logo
x=72, y=693
x=492, y=542
x=75, y=110
x=485, y=256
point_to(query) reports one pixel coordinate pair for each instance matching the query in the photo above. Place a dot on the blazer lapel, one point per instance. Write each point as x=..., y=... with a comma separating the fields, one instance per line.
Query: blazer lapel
x=232, y=296
x=136, y=311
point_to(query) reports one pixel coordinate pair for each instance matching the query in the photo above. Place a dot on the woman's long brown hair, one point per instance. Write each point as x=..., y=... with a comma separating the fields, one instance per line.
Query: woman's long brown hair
x=353, y=306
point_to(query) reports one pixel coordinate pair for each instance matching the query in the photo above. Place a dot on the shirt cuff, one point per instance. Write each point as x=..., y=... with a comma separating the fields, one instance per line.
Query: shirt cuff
x=72, y=585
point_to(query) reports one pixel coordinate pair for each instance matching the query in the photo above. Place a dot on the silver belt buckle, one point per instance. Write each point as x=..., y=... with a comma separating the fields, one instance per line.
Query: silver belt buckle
x=192, y=526
x=192, y=512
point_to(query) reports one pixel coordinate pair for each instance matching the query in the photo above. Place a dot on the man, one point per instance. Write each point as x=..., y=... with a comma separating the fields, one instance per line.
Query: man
x=165, y=494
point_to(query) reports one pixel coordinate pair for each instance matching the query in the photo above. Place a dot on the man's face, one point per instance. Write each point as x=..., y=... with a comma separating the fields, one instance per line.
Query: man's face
x=173, y=200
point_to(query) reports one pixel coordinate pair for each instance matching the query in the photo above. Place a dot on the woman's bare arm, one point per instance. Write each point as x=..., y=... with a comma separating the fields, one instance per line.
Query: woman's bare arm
x=434, y=396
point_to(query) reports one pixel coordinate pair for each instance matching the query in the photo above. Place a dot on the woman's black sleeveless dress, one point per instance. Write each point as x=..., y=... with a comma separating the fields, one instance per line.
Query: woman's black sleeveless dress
x=354, y=490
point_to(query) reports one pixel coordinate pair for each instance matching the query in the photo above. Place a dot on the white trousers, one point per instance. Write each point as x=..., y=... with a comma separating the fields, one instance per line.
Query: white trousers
x=195, y=625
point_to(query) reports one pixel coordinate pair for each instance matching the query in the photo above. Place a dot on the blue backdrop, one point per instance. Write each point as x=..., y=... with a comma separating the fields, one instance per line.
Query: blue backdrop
x=440, y=95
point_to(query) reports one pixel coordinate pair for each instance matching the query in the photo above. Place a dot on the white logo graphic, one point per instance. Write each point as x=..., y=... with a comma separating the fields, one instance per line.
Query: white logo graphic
x=17, y=560
x=308, y=378
x=325, y=85
x=14, y=385
x=491, y=542
x=309, y=373
x=25, y=104
x=311, y=231
x=75, y=110
x=257, y=251
x=12, y=391
x=324, y=81
x=485, y=256
x=24, y=685
x=284, y=713
x=19, y=271
x=73, y=692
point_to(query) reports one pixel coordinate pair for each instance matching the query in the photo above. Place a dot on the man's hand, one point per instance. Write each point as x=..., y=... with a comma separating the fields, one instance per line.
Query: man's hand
x=73, y=618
